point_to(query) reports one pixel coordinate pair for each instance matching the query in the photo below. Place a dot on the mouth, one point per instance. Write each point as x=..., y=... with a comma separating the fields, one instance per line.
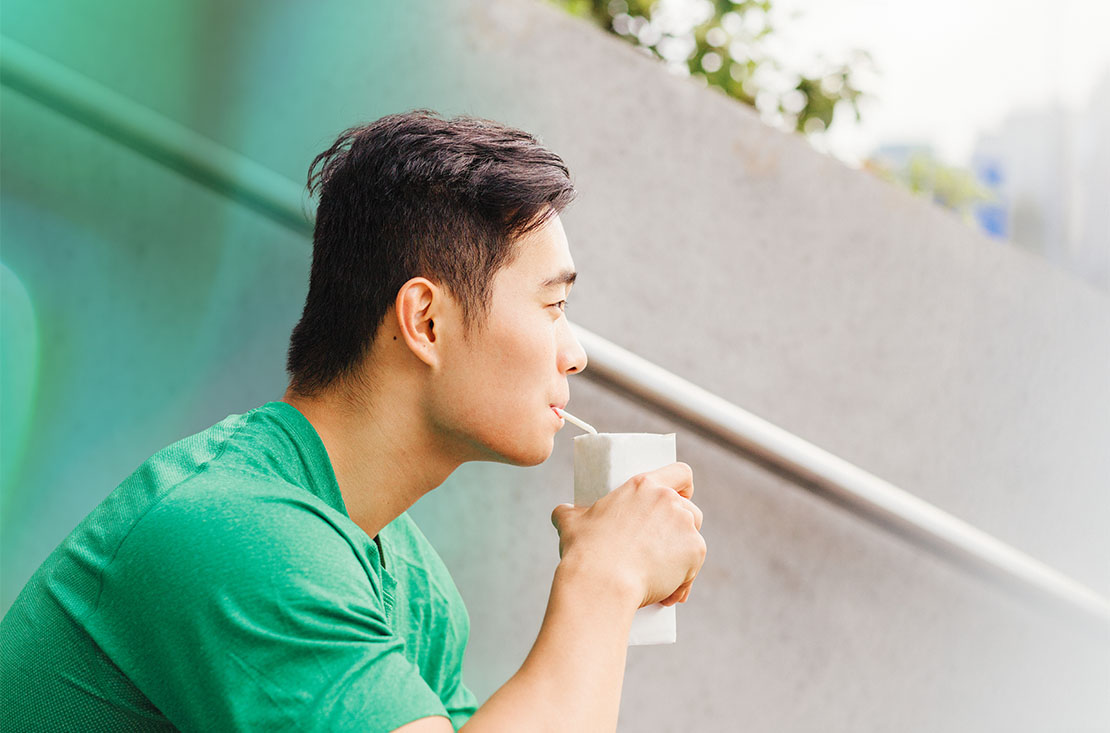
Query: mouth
x=555, y=411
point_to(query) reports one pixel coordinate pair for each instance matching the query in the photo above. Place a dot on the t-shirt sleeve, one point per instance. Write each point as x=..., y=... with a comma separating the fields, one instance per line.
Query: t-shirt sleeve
x=461, y=705
x=239, y=612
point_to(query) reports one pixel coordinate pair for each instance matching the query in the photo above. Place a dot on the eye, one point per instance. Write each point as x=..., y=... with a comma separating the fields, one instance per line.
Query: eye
x=561, y=305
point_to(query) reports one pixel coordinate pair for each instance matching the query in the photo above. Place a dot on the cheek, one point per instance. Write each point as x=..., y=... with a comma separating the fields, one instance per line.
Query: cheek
x=516, y=373
x=527, y=353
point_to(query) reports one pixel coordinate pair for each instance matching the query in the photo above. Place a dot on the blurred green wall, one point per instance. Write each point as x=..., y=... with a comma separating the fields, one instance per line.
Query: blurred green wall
x=139, y=305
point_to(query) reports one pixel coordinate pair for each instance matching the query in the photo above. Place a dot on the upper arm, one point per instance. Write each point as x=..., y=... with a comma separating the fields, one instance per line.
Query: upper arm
x=433, y=724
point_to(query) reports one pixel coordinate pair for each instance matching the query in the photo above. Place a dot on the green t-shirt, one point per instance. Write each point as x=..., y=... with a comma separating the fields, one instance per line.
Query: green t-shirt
x=223, y=587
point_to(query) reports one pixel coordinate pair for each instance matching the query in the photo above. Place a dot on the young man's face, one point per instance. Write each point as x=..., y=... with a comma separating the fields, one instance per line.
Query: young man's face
x=496, y=391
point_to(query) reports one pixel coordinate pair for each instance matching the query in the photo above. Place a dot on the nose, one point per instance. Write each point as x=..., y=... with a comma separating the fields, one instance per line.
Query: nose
x=572, y=357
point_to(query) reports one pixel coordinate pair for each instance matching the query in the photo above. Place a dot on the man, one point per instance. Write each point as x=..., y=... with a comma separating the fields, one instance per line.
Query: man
x=264, y=574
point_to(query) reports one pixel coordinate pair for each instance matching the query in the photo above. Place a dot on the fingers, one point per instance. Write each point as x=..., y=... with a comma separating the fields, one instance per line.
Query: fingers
x=683, y=591
x=679, y=476
x=679, y=596
x=693, y=509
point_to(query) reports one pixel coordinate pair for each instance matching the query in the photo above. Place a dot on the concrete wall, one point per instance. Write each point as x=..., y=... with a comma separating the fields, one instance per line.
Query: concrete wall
x=867, y=322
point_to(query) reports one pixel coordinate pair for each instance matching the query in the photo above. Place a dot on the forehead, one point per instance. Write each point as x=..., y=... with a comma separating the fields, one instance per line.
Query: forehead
x=541, y=255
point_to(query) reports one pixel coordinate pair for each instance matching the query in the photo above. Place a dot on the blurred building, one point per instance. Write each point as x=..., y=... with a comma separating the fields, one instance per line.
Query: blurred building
x=1050, y=167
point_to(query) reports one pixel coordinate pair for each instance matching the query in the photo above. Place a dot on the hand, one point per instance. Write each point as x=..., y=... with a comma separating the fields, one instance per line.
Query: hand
x=643, y=535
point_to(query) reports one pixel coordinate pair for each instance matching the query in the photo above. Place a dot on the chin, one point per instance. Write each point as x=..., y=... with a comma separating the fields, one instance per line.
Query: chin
x=524, y=456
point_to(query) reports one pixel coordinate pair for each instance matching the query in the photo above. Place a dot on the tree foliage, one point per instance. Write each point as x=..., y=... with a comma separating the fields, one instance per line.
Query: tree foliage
x=734, y=46
x=731, y=46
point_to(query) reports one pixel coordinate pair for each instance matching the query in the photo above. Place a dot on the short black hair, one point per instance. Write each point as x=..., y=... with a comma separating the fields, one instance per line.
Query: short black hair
x=411, y=195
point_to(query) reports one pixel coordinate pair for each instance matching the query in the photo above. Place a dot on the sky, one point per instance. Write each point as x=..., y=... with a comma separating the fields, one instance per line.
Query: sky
x=949, y=70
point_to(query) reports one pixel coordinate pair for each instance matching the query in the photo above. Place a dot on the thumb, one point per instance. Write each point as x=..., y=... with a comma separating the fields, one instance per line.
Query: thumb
x=561, y=514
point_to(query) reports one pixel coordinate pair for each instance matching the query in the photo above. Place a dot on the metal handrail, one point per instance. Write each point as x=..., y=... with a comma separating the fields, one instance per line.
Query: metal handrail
x=153, y=135
x=274, y=196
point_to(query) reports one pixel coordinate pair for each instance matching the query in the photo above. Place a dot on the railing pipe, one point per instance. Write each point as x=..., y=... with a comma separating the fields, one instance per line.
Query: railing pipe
x=153, y=135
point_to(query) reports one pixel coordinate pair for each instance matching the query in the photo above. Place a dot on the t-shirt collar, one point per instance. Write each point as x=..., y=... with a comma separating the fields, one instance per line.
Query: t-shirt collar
x=314, y=456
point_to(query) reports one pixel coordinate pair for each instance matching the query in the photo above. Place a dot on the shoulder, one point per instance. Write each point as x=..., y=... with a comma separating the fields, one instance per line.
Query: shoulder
x=228, y=530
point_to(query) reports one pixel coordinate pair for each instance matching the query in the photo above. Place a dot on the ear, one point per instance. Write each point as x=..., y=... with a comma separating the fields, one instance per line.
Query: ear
x=419, y=302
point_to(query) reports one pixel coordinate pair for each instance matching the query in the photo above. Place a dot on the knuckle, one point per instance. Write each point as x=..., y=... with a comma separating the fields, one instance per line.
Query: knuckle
x=687, y=506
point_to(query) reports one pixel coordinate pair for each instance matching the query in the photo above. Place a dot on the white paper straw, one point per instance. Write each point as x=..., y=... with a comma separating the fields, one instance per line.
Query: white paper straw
x=580, y=423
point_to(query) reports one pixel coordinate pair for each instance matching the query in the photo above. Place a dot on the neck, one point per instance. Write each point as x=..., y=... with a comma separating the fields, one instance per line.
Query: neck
x=384, y=456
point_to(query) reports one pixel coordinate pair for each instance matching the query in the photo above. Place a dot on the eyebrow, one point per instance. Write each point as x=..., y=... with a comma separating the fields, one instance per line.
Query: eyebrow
x=566, y=277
